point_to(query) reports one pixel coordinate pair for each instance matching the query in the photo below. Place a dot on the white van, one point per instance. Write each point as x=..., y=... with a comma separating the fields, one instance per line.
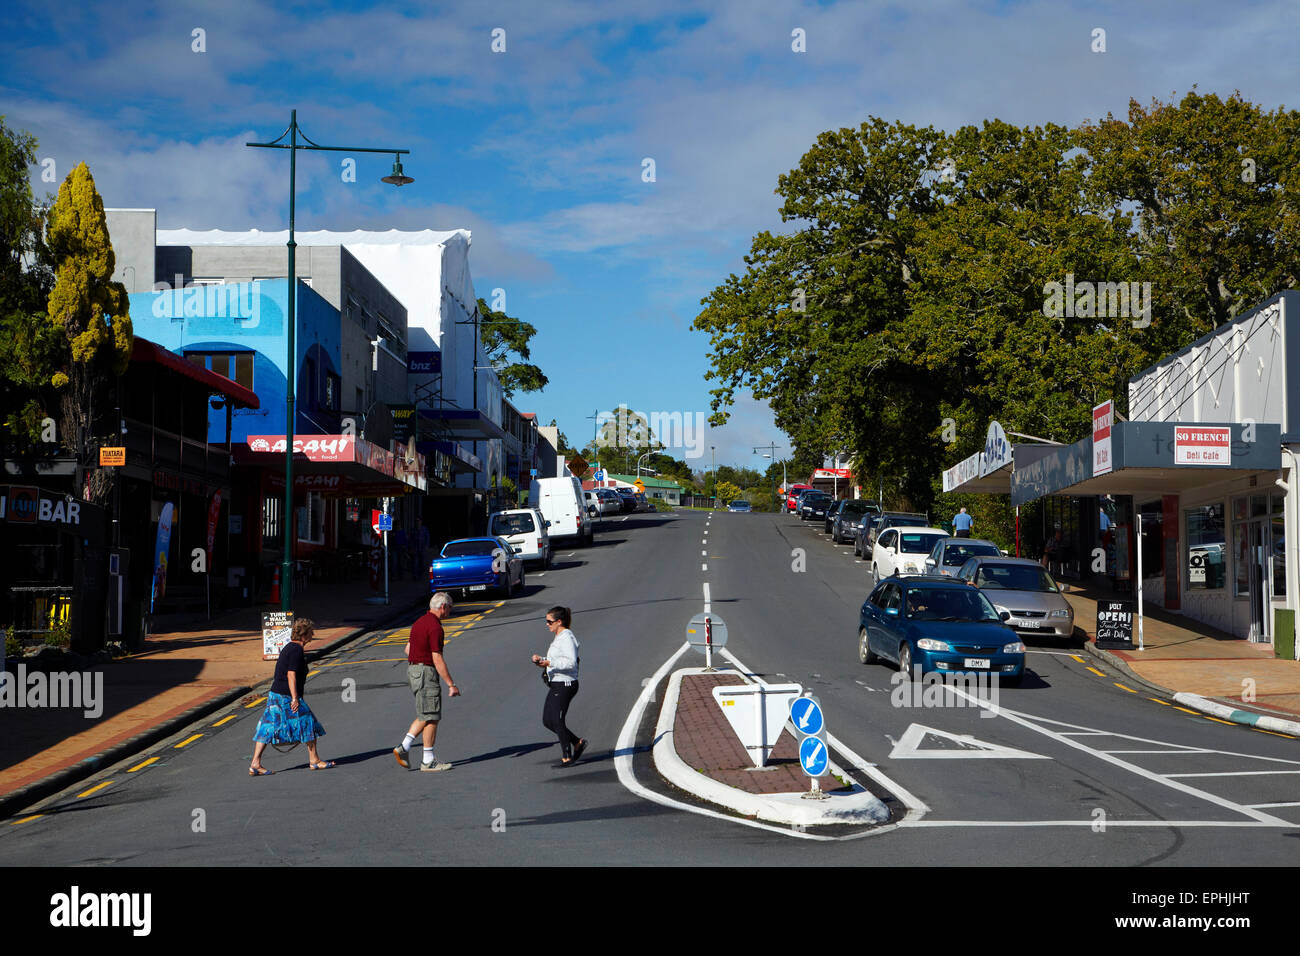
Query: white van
x=561, y=502
x=524, y=530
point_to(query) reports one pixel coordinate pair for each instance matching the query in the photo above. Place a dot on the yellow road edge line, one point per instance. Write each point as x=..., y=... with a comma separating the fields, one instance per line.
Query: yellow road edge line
x=312, y=673
x=1194, y=713
x=1217, y=720
x=34, y=816
x=224, y=720
x=98, y=786
x=1122, y=687
x=1159, y=701
x=1274, y=733
x=141, y=766
x=368, y=660
x=1077, y=658
x=1097, y=672
x=187, y=742
x=254, y=703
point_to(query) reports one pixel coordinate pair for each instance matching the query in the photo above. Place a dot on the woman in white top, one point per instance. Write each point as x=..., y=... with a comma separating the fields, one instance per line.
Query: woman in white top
x=561, y=666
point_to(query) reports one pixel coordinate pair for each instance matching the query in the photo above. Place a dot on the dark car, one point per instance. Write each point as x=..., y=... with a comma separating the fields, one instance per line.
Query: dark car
x=813, y=505
x=629, y=499
x=892, y=519
x=938, y=624
x=847, y=519
x=740, y=504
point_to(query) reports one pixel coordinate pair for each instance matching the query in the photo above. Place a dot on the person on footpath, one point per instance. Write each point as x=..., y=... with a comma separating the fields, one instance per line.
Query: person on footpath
x=424, y=666
x=287, y=718
x=961, y=524
x=561, y=676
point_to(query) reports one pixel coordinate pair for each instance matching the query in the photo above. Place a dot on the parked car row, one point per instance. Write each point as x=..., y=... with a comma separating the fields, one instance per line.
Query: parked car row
x=939, y=603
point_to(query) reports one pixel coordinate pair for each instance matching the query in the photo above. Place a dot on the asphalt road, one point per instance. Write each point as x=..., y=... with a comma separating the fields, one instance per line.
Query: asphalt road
x=1074, y=770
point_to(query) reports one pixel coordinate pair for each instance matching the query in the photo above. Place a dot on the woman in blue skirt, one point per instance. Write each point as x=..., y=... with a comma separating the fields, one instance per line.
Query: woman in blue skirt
x=287, y=718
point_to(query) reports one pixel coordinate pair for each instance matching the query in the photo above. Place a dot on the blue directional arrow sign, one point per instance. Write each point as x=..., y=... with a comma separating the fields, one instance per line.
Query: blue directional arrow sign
x=807, y=716
x=813, y=757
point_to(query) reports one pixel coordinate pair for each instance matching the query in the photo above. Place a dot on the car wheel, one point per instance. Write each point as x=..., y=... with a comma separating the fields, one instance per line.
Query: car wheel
x=905, y=661
x=875, y=573
x=521, y=578
x=865, y=654
x=857, y=549
x=549, y=555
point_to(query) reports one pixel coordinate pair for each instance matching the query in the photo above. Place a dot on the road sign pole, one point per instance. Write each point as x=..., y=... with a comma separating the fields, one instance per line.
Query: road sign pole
x=708, y=644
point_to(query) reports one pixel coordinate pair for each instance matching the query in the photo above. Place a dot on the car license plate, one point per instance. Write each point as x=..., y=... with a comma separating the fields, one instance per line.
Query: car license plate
x=478, y=587
x=977, y=662
x=1030, y=624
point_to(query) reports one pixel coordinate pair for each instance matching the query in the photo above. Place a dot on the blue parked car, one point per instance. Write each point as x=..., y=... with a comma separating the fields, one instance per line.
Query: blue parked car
x=938, y=624
x=476, y=564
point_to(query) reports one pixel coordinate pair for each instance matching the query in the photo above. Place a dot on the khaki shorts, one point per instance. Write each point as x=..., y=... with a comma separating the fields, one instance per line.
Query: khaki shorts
x=427, y=691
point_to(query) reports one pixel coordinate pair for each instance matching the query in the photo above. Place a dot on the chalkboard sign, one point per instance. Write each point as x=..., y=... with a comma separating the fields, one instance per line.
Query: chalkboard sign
x=277, y=629
x=1115, y=624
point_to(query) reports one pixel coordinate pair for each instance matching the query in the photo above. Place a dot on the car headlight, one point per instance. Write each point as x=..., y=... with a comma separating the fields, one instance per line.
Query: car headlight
x=1062, y=613
x=1015, y=647
x=930, y=644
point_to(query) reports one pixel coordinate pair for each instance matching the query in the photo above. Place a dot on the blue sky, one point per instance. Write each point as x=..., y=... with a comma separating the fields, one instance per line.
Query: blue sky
x=539, y=150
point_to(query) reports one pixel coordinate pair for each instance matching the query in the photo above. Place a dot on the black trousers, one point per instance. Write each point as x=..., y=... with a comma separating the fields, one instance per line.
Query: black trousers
x=553, y=714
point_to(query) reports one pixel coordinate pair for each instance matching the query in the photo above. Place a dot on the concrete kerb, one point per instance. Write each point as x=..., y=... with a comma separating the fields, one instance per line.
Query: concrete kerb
x=10, y=803
x=858, y=807
x=1123, y=667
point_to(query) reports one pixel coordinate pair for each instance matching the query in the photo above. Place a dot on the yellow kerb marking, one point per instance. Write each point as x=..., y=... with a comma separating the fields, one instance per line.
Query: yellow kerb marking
x=1122, y=687
x=1194, y=713
x=141, y=766
x=224, y=720
x=1159, y=701
x=1097, y=672
x=1274, y=733
x=187, y=742
x=34, y=816
x=1217, y=720
x=254, y=703
x=98, y=786
x=1077, y=658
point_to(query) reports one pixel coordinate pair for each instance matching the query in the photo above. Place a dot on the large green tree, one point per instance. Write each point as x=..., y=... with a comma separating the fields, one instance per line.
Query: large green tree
x=28, y=346
x=503, y=336
x=90, y=315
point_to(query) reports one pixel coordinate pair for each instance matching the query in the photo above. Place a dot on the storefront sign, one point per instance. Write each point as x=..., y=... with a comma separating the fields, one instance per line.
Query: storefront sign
x=112, y=457
x=997, y=450
x=162, y=544
x=1115, y=624
x=424, y=363
x=315, y=447
x=965, y=470
x=841, y=473
x=277, y=629
x=1202, y=446
x=403, y=422
x=1103, y=417
x=24, y=505
x=214, y=511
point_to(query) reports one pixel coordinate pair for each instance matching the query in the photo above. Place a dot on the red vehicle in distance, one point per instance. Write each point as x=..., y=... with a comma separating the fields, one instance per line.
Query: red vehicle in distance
x=792, y=493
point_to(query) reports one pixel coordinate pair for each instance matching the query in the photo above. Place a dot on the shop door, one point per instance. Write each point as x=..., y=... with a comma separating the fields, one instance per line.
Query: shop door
x=1260, y=550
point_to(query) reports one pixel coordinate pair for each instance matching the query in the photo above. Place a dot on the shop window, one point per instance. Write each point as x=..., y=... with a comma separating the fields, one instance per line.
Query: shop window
x=1279, y=546
x=236, y=366
x=1153, y=539
x=311, y=520
x=1206, y=551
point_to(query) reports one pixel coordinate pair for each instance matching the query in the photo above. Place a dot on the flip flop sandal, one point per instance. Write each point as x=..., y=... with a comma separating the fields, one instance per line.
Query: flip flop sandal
x=259, y=772
x=323, y=765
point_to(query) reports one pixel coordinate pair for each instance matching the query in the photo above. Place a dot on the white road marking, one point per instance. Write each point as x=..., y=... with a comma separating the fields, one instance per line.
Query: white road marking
x=908, y=747
x=1233, y=773
x=704, y=553
x=704, y=567
x=1189, y=750
x=707, y=600
x=1258, y=806
x=1051, y=653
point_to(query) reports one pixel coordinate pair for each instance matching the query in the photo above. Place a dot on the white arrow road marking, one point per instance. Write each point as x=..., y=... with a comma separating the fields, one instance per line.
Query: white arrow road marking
x=909, y=747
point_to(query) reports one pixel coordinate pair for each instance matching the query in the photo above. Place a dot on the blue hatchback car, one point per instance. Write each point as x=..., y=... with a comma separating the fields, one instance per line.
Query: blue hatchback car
x=477, y=564
x=938, y=624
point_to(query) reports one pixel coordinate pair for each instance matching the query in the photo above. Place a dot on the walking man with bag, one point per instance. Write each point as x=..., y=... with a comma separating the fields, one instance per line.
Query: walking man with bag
x=424, y=666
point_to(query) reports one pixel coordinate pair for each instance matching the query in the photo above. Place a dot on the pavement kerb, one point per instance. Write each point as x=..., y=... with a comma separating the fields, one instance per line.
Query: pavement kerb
x=1228, y=712
x=1123, y=667
x=10, y=803
x=859, y=807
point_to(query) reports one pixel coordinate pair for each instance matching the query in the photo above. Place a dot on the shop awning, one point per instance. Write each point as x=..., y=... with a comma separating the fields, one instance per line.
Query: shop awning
x=142, y=350
x=971, y=475
x=464, y=423
x=1153, y=458
x=336, y=465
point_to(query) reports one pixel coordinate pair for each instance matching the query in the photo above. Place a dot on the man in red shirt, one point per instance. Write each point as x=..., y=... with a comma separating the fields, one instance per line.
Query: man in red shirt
x=424, y=666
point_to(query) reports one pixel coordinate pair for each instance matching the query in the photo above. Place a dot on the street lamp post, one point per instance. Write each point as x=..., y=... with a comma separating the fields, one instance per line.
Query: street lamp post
x=772, y=455
x=396, y=178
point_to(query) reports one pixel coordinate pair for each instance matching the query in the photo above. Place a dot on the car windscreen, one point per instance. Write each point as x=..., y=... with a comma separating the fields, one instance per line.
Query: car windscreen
x=512, y=524
x=856, y=508
x=947, y=604
x=955, y=554
x=464, y=549
x=911, y=542
x=1014, y=577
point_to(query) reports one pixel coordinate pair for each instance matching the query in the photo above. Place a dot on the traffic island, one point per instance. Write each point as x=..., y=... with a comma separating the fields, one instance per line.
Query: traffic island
x=697, y=750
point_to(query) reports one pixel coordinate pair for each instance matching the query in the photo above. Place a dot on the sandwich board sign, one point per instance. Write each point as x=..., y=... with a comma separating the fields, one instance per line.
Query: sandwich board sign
x=757, y=713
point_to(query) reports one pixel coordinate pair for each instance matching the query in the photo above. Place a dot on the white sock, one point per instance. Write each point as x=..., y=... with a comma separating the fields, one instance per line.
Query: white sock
x=428, y=758
x=407, y=741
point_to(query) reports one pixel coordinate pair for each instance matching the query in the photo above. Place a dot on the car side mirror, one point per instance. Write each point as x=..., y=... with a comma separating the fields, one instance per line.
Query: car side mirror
x=929, y=562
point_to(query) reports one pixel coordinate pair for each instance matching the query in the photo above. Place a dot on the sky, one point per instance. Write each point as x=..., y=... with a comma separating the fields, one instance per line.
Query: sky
x=537, y=127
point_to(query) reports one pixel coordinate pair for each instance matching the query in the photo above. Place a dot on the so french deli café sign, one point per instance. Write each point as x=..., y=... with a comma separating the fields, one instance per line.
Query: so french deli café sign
x=1199, y=445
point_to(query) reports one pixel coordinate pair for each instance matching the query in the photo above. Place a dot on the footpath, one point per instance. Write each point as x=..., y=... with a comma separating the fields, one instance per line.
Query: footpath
x=1200, y=666
x=189, y=668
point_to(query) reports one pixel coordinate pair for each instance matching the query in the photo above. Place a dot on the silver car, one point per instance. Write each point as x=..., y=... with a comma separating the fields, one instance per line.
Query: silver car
x=1025, y=590
x=950, y=554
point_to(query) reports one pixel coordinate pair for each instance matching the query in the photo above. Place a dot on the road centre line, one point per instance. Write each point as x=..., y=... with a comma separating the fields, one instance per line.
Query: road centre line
x=1233, y=773
x=706, y=596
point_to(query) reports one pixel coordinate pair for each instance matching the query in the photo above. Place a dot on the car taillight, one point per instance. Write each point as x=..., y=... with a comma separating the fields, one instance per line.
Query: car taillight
x=539, y=544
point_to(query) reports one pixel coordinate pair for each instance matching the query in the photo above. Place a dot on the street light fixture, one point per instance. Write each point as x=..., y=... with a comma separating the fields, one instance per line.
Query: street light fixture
x=397, y=178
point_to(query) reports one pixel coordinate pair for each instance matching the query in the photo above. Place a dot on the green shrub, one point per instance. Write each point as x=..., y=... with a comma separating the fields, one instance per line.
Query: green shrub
x=60, y=635
x=13, y=646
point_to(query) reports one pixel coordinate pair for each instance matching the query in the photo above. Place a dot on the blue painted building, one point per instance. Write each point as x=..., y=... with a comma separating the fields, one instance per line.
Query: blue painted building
x=238, y=330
